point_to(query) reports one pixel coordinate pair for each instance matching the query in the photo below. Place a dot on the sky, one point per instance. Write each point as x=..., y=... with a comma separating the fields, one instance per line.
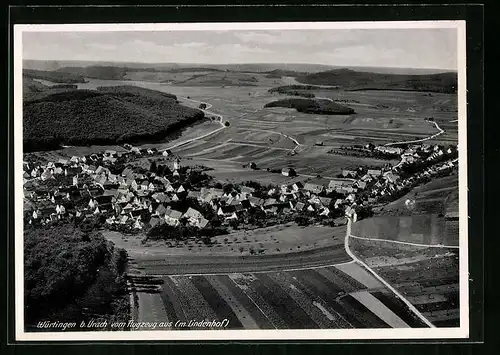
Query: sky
x=404, y=48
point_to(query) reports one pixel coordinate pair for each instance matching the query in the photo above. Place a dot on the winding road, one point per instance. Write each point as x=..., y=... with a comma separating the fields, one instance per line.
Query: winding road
x=187, y=141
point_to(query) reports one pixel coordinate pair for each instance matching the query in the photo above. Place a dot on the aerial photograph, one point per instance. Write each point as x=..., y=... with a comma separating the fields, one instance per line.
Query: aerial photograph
x=240, y=179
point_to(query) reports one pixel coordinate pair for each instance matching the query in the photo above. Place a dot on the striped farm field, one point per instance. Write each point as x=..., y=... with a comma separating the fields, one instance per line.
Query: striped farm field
x=428, y=277
x=315, y=298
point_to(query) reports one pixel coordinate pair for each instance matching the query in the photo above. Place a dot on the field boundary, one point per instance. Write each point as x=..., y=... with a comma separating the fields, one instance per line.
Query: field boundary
x=408, y=243
x=255, y=272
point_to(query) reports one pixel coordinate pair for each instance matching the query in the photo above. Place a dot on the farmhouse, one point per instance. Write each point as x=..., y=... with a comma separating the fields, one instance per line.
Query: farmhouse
x=154, y=221
x=229, y=212
x=173, y=217
x=288, y=172
x=195, y=217
x=255, y=201
x=374, y=172
x=337, y=184
x=389, y=150
x=349, y=173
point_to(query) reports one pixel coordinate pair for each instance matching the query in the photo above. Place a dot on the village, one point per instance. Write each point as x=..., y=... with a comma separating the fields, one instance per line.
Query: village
x=106, y=187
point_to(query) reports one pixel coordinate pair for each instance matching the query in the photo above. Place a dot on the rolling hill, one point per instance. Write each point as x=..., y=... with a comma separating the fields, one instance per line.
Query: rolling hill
x=219, y=79
x=108, y=115
x=355, y=80
x=54, y=76
x=96, y=72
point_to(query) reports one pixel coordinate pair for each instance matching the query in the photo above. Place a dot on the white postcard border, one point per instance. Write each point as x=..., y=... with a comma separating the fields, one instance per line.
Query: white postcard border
x=199, y=335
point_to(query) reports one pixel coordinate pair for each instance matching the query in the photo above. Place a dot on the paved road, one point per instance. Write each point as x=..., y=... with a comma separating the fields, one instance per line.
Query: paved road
x=441, y=131
x=204, y=135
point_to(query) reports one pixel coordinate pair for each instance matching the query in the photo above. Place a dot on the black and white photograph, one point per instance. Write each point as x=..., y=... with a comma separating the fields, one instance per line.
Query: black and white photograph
x=197, y=181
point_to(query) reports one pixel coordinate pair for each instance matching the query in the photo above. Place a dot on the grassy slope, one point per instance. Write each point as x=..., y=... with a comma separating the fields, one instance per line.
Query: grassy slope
x=355, y=80
x=108, y=115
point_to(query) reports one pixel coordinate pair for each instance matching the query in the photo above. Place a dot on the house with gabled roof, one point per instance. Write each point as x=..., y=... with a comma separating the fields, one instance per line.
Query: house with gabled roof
x=60, y=209
x=92, y=203
x=338, y=202
x=313, y=188
x=325, y=211
x=256, y=201
x=101, y=170
x=246, y=190
x=270, y=202
x=288, y=172
x=299, y=206
x=58, y=171
x=160, y=210
x=128, y=173
x=349, y=173
x=374, y=172
x=127, y=208
x=391, y=177
x=173, y=217
x=216, y=192
x=46, y=175
x=361, y=184
x=124, y=219
x=227, y=211
x=155, y=221
x=101, y=180
x=325, y=201
x=136, y=151
x=194, y=194
x=137, y=224
x=193, y=216
x=134, y=185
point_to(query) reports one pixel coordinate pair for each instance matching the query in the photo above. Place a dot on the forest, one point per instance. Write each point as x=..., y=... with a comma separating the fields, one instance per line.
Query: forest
x=105, y=116
x=320, y=107
x=73, y=276
x=299, y=90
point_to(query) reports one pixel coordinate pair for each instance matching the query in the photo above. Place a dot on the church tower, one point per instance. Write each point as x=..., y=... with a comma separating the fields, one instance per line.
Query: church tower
x=177, y=164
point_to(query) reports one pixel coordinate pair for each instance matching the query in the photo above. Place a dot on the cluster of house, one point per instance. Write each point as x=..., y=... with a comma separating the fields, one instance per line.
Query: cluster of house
x=85, y=187
x=411, y=154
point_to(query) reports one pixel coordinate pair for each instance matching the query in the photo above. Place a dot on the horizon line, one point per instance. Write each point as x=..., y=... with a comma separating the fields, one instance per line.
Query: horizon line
x=239, y=63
